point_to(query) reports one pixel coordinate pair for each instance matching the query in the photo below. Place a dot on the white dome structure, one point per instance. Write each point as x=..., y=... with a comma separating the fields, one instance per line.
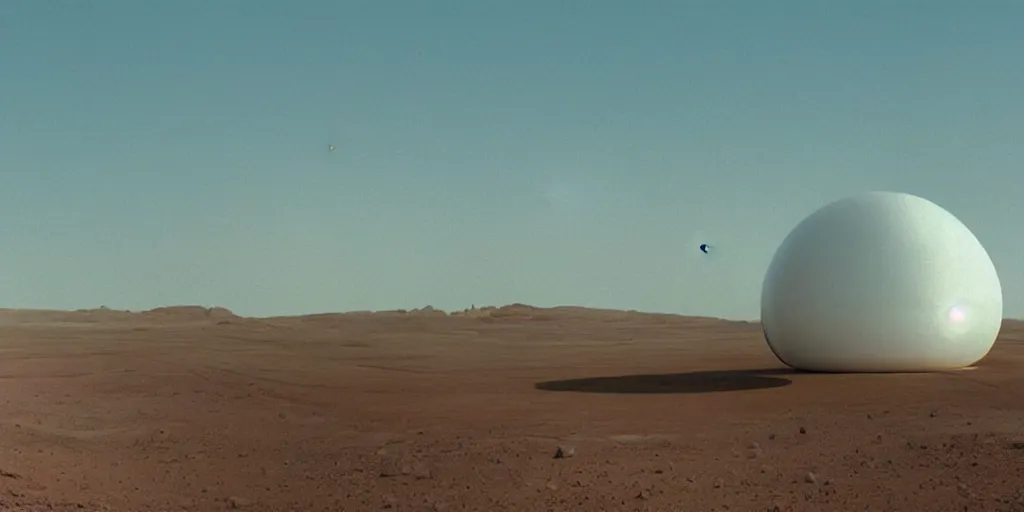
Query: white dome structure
x=881, y=282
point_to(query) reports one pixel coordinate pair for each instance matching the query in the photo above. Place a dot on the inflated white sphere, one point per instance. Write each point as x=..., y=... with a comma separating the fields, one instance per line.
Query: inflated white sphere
x=881, y=282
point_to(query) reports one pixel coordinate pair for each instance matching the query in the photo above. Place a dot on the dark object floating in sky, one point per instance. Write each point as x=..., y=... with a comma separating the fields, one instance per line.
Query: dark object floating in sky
x=704, y=248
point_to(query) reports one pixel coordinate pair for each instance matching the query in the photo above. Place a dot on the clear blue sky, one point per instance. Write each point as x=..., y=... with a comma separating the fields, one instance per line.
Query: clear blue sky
x=537, y=151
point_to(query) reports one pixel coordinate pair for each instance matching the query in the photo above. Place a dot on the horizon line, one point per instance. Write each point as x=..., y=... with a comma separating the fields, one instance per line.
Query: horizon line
x=223, y=311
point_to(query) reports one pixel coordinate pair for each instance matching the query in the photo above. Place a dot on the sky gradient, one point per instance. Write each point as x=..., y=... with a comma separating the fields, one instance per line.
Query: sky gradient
x=545, y=152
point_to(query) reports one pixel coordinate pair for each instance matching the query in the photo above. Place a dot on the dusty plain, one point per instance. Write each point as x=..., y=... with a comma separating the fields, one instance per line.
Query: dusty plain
x=194, y=409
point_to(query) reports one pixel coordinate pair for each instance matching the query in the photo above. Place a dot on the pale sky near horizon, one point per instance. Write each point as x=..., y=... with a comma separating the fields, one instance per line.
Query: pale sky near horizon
x=536, y=151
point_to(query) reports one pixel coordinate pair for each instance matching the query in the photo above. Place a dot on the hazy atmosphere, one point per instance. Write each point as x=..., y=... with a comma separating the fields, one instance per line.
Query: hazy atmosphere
x=156, y=153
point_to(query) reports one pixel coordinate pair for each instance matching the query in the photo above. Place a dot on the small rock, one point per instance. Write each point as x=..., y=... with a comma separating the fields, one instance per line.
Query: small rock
x=643, y=494
x=803, y=430
x=551, y=485
x=771, y=437
x=564, y=452
x=811, y=478
x=934, y=414
x=719, y=483
x=754, y=451
x=236, y=502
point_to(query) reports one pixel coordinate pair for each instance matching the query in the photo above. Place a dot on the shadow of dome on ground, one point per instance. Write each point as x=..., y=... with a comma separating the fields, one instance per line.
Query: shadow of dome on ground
x=682, y=383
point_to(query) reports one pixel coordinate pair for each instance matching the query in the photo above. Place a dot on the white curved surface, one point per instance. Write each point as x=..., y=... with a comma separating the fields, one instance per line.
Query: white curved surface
x=881, y=282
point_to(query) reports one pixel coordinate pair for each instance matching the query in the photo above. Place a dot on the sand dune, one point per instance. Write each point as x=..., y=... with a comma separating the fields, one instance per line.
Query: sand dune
x=196, y=408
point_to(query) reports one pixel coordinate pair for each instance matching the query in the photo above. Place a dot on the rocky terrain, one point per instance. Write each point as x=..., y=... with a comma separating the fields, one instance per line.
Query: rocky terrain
x=488, y=409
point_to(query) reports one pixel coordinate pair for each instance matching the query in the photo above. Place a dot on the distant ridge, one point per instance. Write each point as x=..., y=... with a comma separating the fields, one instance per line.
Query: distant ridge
x=103, y=314
x=194, y=313
x=512, y=312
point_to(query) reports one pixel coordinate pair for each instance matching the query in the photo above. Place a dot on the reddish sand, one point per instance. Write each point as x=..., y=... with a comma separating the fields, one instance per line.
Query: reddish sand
x=191, y=409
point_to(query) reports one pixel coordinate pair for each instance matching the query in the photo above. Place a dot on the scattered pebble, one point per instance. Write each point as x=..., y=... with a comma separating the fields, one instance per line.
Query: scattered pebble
x=754, y=451
x=564, y=452
x=236, y=502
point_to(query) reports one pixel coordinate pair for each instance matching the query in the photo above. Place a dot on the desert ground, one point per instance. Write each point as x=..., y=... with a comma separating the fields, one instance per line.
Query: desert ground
x=514, y=408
